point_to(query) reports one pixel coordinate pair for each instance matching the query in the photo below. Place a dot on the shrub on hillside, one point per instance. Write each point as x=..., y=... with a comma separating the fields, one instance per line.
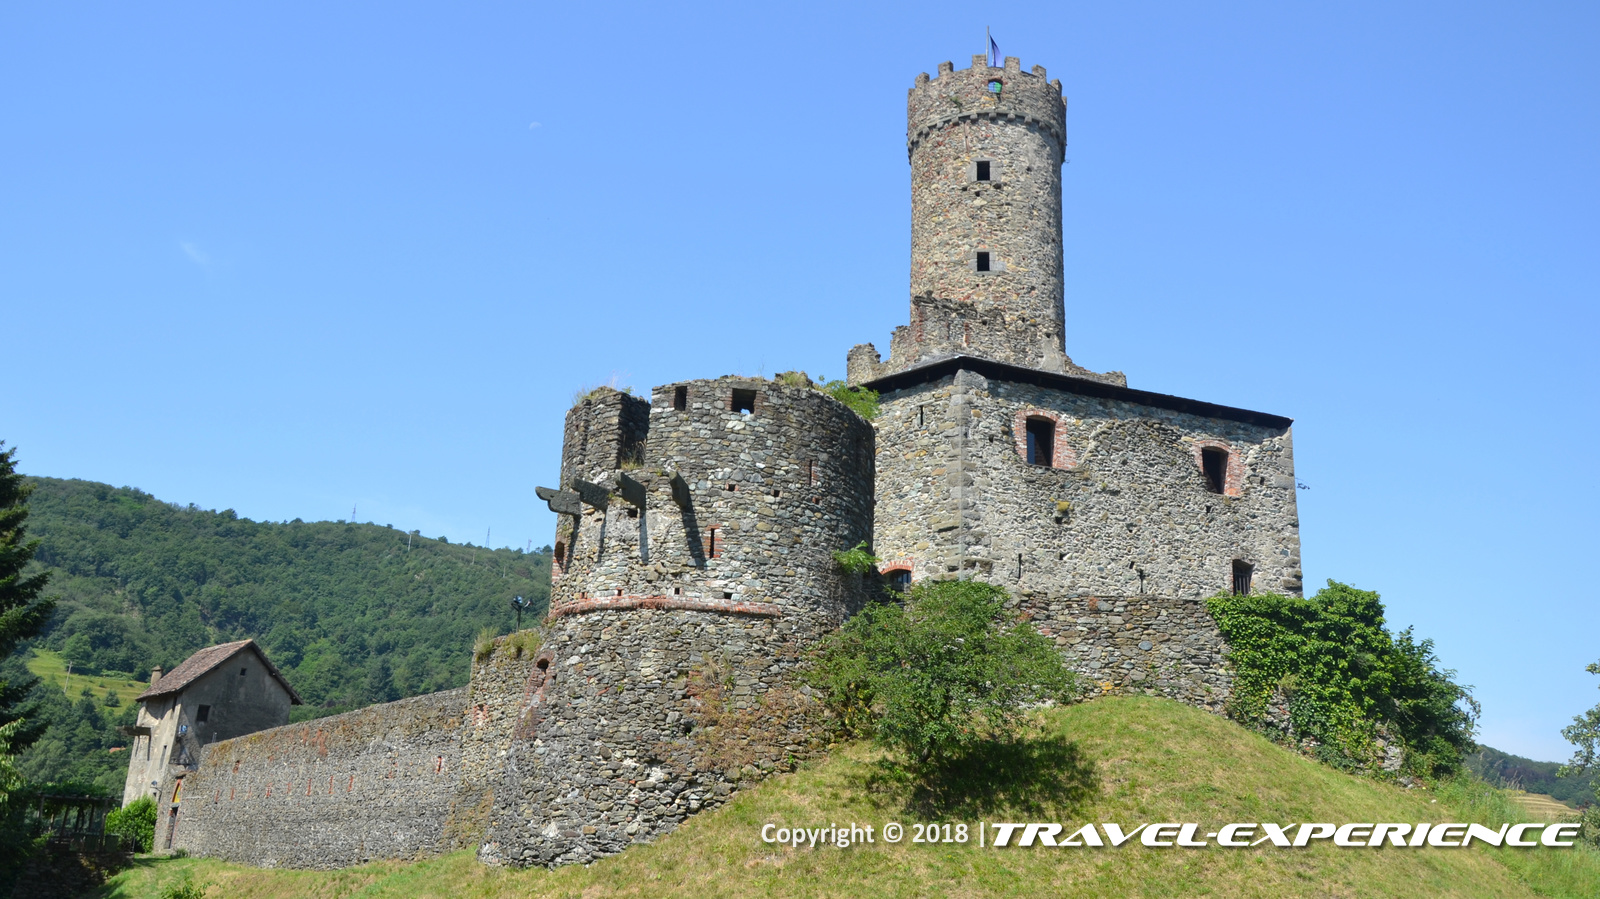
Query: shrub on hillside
x=137, y=823
x=950, y=669
x=1346, y=679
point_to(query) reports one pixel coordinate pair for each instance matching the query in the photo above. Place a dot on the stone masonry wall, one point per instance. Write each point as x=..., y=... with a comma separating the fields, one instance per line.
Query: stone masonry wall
x=377, y=783
x=719, y=572
x=1122, y=517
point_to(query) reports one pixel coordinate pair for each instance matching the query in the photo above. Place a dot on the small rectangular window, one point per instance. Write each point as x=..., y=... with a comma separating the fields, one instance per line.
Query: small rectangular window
x=1214, y=462
x=202, y=714
x=713, y=549
x=743, y=401
x=1041, y=441
x=680, y=398
x=983, y=170
x=1241, y=577
x=242, y=671
x=982, y=262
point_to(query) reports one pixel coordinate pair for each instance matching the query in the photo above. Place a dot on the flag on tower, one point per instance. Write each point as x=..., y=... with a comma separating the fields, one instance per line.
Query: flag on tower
x=995, y=59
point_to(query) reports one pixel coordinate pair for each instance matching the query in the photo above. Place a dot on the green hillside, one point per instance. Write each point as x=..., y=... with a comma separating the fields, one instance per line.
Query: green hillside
x=1125, y=760
x=1517, y=773
x=352, y=613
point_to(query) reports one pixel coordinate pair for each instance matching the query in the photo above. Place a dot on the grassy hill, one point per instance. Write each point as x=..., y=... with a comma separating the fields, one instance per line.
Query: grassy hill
x=1125, y=760
x=353, y=614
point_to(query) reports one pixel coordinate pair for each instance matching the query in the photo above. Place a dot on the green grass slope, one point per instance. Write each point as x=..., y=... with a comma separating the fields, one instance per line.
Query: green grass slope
x=1124, y=760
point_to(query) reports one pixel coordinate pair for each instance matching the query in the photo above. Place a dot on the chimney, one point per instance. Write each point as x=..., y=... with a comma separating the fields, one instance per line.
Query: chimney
x=155, y=675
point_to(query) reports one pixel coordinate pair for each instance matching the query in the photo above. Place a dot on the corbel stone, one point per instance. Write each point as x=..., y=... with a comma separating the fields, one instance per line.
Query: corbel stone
x=562, y=502
x=592, y=494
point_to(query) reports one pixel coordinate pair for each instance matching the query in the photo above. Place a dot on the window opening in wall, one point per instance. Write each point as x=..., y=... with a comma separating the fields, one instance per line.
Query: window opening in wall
x=202, y=714
x=633, y=513
x=680, y=398
x=677, y=591
x=242, y=671
x=1241, y=577
x=713, y=548
x=900, y=580
x=811, y=472
x=561, y=555
x=1214, y=462
x=983, y=170
x=1041, y=441
x=919, y=415
x=982, y=262
x=1019, y=566
x=727, y=595
x=743, y=401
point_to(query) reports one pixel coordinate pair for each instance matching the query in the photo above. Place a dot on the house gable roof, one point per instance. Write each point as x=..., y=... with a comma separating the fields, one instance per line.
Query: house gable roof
x=197, y=665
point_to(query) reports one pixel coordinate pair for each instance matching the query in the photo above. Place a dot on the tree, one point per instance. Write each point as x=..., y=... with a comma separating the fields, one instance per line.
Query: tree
x=949, y=669
x=1584, y=733
x=23, y=612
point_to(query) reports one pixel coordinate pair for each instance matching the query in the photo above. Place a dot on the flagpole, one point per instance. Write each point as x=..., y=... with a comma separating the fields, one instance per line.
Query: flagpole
x=987, y=40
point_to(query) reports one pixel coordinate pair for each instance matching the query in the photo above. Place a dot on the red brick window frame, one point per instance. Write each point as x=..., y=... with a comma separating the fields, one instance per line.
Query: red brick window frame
x=1061, y=454
x=1233, y=480
x=890, y=571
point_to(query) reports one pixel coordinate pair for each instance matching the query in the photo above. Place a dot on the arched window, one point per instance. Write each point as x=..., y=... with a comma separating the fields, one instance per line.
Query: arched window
x=900, y=580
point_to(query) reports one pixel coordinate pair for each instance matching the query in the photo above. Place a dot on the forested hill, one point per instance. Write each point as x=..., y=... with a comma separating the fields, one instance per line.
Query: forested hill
x=349, y=612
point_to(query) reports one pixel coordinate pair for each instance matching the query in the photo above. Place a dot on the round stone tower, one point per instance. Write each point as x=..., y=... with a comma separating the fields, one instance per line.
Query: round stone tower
x=986, y=147
x=694, y=571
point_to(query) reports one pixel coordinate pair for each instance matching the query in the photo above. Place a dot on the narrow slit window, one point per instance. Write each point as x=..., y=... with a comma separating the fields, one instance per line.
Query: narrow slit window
x=982, y=262
x=1041, y=442
x=1214, y=463
x=983, y=170
x=1242, y=571
x=202, y=714
x=713, y=548
x=680, y=398
x=743, y=401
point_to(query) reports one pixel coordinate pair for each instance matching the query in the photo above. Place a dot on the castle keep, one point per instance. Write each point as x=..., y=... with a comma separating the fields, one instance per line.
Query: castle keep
x=694, y=566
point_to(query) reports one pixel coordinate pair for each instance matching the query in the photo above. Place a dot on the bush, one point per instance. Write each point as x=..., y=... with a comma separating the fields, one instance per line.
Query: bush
x=185, y=888
x=949, y=670
x=1345, y=678
x=136, y=822
x=856, y=560
x=861, y=401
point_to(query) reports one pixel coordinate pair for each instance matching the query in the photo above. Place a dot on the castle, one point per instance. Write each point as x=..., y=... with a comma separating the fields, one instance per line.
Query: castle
x=694, y=561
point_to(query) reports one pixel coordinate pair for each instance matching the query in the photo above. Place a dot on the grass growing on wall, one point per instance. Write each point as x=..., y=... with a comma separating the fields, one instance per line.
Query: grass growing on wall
x=1137, y=760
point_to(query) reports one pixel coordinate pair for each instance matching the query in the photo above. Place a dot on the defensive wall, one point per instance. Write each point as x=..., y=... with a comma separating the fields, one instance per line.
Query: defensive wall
x=401, y=780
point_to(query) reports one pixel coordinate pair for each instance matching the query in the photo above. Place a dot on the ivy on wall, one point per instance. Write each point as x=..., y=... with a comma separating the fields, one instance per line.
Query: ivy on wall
x=1345, y=679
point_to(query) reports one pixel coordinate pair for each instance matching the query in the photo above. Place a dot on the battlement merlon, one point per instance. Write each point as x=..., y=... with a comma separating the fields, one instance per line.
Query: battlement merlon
x=969, y=94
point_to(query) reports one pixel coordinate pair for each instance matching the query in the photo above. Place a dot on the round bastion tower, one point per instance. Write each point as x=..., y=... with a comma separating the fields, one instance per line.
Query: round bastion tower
x=693, y=571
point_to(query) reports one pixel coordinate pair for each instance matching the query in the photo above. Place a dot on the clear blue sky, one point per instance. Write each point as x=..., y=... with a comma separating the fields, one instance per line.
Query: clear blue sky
x=296, y=257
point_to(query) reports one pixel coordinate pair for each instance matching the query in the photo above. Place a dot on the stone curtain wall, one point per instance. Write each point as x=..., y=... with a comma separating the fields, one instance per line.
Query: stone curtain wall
x=1157, y=645
x=720, y=583
x=377, y=783
x=1131, y=521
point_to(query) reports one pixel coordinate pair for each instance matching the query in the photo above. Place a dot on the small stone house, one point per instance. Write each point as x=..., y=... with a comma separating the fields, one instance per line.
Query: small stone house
x=220, y=692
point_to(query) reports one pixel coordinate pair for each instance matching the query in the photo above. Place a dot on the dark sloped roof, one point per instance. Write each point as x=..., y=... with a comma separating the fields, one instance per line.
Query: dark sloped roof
x=989, y=368
x=195, y=666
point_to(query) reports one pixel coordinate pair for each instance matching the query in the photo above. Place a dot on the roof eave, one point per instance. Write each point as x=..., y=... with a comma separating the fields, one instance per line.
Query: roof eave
x=989, y=368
